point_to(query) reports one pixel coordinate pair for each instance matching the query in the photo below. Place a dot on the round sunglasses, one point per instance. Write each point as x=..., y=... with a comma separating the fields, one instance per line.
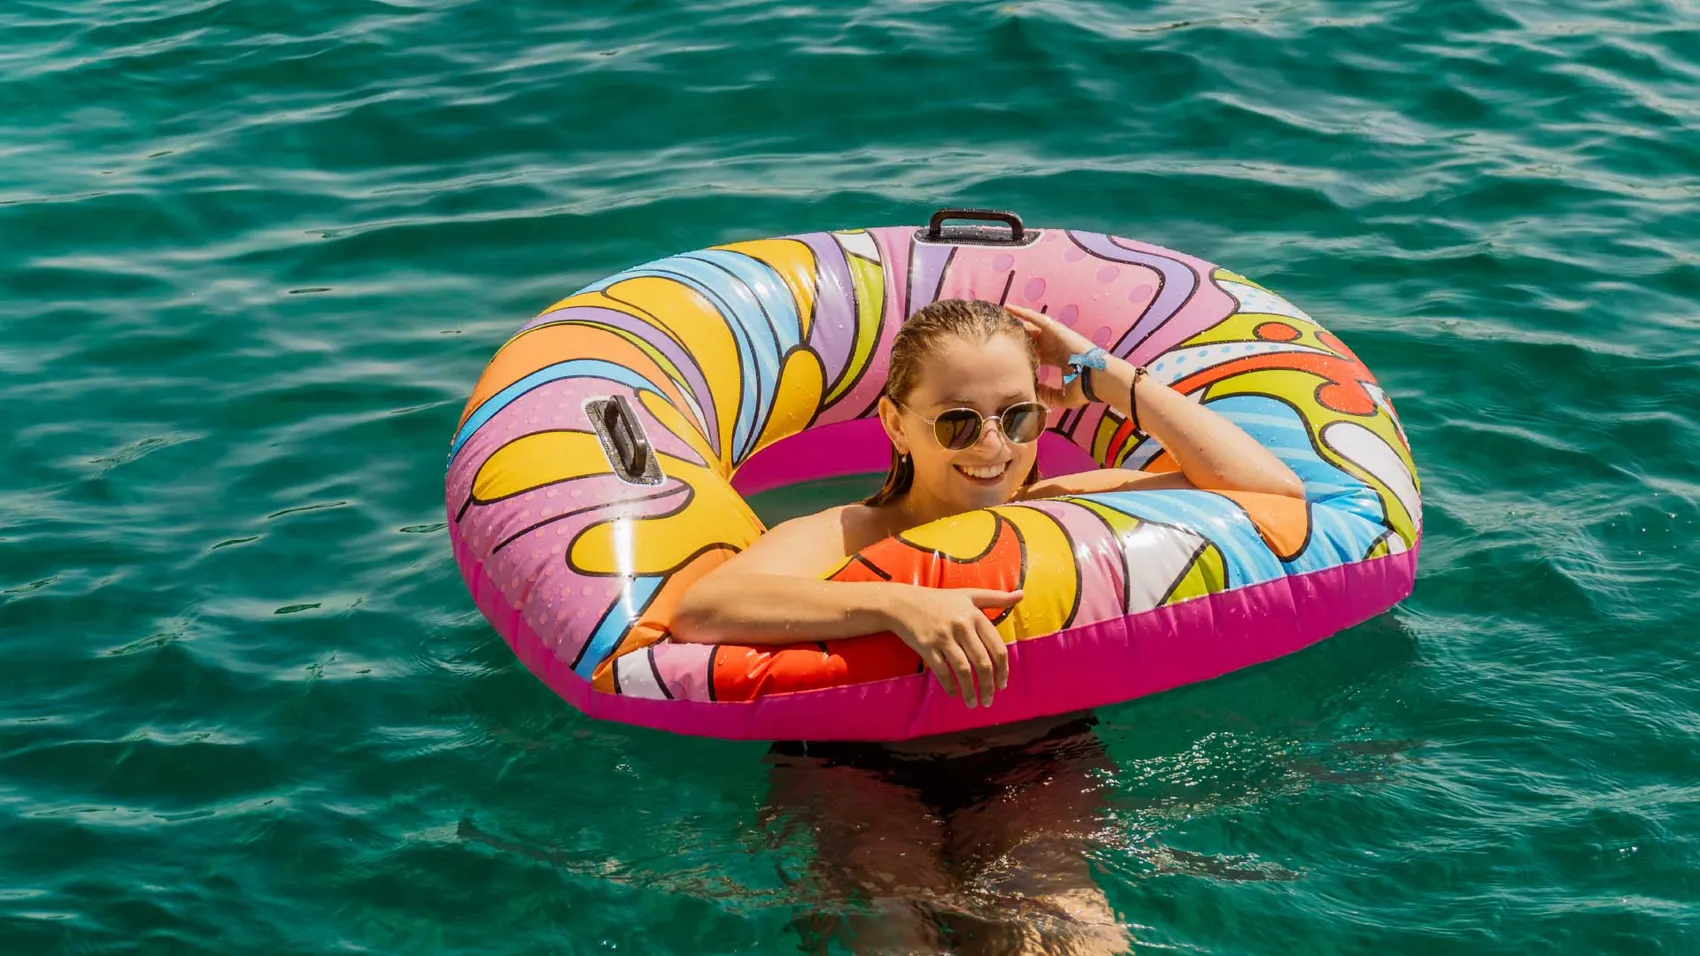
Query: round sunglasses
x=960, y=428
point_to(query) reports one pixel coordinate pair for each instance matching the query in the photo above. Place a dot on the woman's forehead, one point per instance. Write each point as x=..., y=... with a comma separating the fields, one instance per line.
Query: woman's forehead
x=989, y=374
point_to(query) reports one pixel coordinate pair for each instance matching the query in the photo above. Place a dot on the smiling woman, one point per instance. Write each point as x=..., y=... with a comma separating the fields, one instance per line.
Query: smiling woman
x=1233, y=485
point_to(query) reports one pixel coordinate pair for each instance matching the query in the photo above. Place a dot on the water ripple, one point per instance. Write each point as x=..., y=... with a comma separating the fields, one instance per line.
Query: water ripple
x=257, y=253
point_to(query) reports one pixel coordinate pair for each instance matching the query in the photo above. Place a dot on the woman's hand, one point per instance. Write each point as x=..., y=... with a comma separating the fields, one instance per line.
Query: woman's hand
x=1055, y=342
x=954, y=637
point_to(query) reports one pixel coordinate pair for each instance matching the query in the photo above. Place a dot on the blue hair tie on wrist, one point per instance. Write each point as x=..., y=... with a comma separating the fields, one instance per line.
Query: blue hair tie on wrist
x=1094, y=358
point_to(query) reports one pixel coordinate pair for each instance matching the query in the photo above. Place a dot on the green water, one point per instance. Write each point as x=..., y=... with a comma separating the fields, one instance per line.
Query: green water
x=785, y=503
x=253, y=256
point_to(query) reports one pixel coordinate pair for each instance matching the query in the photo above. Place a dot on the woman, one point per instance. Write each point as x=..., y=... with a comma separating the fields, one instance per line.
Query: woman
x=963, y=408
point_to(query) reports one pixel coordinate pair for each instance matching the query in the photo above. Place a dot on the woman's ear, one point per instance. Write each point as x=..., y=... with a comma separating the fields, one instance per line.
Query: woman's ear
x=892, y=418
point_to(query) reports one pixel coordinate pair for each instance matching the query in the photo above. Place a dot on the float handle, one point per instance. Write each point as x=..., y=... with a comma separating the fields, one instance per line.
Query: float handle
x=976, y=235
x=624, y=442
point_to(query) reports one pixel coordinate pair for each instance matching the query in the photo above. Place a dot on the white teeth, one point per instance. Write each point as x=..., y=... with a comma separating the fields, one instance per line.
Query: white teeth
x=988, y=471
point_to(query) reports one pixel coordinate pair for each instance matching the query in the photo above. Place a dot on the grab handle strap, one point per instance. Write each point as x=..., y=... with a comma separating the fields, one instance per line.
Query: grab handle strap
x=976, y=235
x=623, y=440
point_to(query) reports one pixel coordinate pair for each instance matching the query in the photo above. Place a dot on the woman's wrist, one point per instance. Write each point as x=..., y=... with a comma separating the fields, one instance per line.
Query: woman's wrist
x=1086, y=385
x=1120, y=378
x=886, y=608
x=1098, y=381
x=1083, y=360
x=1117, y=375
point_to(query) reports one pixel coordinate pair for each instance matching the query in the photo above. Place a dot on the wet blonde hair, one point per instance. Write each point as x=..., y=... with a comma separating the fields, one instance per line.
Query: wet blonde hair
x=975, y=320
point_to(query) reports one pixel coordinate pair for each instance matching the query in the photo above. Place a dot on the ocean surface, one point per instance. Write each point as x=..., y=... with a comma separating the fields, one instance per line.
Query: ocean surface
x=254, y=254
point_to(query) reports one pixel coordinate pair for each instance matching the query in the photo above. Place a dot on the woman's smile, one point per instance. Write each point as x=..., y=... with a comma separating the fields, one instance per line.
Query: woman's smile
x=983, y=475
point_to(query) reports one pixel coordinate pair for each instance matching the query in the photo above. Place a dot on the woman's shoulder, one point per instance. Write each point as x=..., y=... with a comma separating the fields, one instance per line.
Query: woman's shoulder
x=807, y=542
x=854, y=526
x=863, y=525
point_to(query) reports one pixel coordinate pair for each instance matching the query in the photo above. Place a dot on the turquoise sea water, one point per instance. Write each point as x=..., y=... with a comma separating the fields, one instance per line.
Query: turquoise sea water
x=253, y=256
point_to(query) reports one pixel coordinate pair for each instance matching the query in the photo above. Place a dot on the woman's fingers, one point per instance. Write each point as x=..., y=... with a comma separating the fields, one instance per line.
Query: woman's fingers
x=974, y=648
x=991, y=597
x=1042, y=328
x=941, y=669
x=997, y=651
x=961, y=669
x=961, y=647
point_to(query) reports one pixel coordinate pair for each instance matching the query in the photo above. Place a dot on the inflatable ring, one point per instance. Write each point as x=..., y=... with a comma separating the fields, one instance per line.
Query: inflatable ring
x=601, y=462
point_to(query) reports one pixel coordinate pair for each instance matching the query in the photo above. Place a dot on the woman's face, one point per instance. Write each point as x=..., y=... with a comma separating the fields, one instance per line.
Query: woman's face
x=987, y=376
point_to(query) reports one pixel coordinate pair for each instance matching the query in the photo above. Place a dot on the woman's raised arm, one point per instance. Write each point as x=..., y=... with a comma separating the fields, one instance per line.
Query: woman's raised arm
x=1213, y=453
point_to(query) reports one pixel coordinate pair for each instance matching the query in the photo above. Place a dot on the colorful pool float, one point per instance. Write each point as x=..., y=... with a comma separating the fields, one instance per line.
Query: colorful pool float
x=601, y=462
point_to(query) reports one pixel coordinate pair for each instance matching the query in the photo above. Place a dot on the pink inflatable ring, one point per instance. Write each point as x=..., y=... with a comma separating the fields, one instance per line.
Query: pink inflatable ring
x=601, y=463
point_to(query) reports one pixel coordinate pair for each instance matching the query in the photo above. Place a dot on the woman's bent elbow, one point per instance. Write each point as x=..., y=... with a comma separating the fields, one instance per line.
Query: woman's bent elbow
x=693, y=621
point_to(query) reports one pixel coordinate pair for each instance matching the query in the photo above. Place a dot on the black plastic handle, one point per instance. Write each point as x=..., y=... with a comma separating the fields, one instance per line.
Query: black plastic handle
x=623, y=439
x=976, y=235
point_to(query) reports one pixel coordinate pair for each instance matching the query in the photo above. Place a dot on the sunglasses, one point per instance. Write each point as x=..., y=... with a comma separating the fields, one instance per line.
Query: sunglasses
x=960, y=428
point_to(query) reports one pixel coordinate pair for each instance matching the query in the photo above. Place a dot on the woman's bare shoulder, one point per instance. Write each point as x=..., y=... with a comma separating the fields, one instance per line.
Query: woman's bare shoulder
x=851, y=527
x=811, y=543
x=862, y=525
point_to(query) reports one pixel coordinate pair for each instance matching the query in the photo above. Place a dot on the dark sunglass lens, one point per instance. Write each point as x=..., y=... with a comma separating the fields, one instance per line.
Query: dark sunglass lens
x=1023, y=423
x=958, y=429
